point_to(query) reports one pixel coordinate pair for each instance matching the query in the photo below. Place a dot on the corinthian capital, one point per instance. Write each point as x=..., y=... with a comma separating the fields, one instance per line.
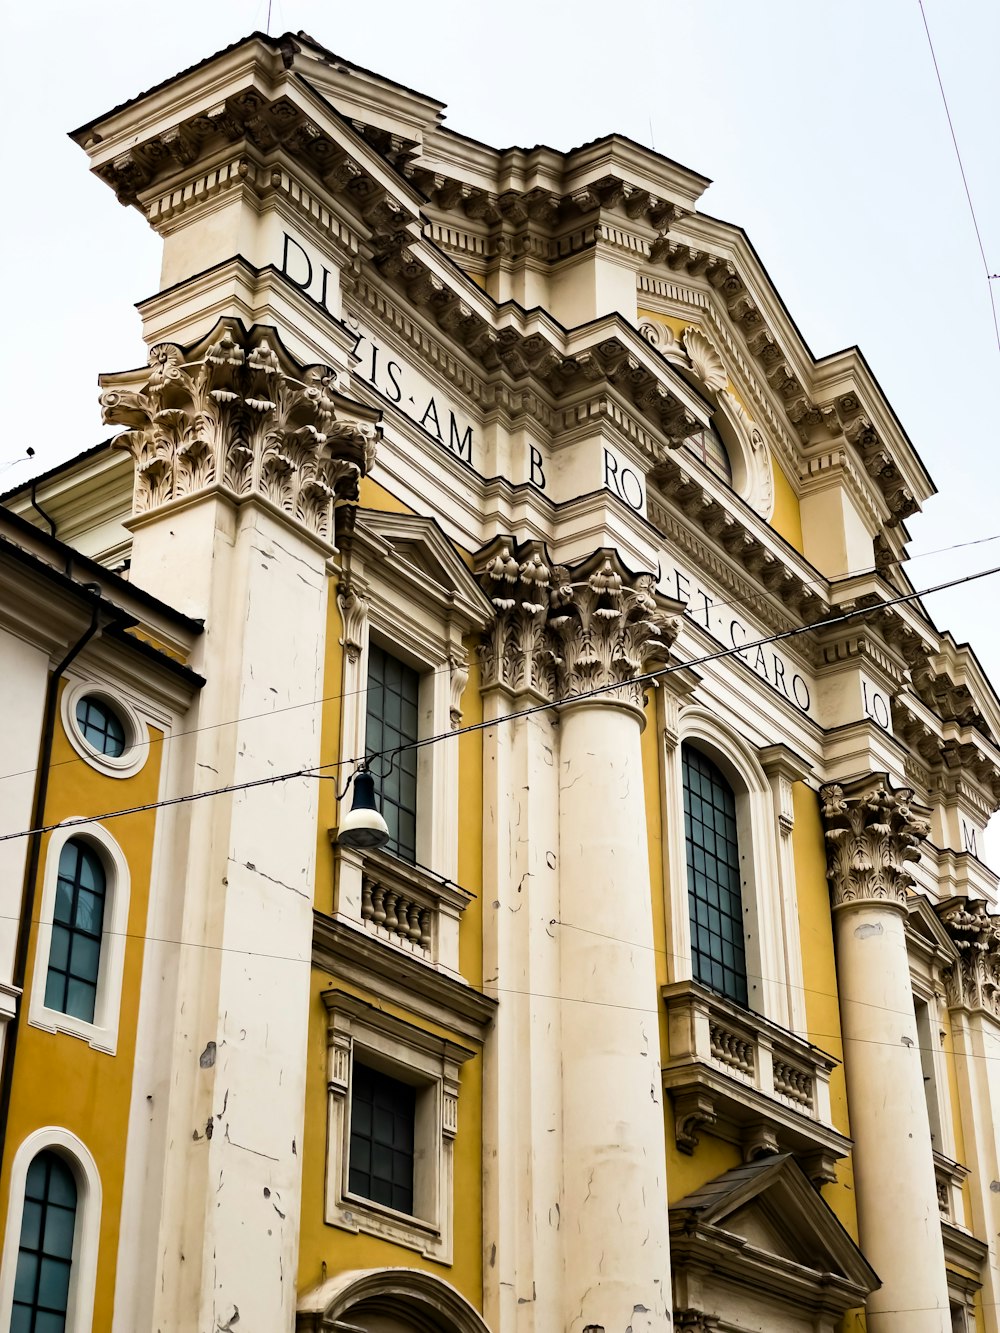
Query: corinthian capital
x=561, y=630
x=873, y=834
x=237, y=412
x=973, y=981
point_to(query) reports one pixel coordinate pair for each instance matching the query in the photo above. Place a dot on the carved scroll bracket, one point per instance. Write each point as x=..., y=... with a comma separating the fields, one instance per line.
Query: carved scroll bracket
x=237, y=412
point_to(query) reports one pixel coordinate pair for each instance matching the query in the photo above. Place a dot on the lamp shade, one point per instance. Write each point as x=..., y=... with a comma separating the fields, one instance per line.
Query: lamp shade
x=364, y=825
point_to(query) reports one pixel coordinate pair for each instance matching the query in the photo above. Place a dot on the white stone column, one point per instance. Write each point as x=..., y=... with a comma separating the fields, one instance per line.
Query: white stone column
x=241, y=457
x=522, y=1095
x=577, y=1052
x=615, y=1226
x=872, y=834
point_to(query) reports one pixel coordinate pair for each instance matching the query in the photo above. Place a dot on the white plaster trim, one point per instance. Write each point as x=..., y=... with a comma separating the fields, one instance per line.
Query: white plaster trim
x=136, y=751
x=102, y=1033
x=430, y=1065
x=86, y=1234
x=766, y=945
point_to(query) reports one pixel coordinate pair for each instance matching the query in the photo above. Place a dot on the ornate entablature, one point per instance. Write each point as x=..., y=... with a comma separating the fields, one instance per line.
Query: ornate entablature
x=237, y=412
x=974, y=981
x=563, y=630
x=873, y=835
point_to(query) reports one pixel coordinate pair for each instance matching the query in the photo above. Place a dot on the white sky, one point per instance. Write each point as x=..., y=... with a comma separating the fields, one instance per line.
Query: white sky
x=819, y=121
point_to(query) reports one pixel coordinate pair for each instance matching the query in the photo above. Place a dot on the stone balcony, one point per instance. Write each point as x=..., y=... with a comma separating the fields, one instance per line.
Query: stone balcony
x=409, y=908
x=742, y=1078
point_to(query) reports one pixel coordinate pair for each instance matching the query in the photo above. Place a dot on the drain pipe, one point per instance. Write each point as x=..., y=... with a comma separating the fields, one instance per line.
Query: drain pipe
x=34, y=855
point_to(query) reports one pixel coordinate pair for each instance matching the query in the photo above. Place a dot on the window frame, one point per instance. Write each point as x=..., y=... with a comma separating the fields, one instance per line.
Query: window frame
x=102, y=1033
x=739, y=970
x=392, y=654
x=84, y=851
x=770, y=921
x=430, y=1064
x=86, y=1237
x=136, y=751
x=404, y=587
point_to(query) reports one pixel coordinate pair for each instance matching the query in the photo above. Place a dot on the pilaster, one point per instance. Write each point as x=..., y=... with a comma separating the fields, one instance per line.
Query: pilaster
x=241, y=457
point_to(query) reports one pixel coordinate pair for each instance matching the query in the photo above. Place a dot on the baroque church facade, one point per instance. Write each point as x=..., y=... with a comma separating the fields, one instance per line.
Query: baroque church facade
x=673, y=1000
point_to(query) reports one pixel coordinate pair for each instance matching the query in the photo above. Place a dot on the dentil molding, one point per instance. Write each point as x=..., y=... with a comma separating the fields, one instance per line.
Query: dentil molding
x=237, y=412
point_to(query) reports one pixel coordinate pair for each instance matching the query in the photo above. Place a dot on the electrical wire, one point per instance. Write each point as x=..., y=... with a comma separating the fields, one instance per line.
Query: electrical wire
x=320, y=700
x=965, y=180
x=643, y=678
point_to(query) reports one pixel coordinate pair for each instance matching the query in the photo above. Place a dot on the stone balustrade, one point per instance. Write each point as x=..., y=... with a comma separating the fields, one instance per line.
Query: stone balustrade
x=741, y=1077
x=404, y=905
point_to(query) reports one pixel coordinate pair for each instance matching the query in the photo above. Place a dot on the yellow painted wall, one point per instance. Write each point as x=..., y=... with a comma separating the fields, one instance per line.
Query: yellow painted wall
x=786, y=519
x=59, y=1079
x=820, y=973
x=326, y=1249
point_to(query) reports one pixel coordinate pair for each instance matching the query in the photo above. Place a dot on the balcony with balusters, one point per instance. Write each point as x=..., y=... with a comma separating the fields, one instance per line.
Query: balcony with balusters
x=740, y=1077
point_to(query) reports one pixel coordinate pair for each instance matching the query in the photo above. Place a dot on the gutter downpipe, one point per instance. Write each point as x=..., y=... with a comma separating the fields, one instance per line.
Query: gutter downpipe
x=34, y=856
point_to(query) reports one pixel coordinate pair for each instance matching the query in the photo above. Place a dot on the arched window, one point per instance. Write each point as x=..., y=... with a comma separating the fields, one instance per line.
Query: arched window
x=77, y=924
x=45, y=1255
x=715, y=903
x=708, y=446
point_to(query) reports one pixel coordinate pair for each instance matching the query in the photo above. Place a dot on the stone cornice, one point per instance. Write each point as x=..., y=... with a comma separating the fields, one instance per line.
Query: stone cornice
x=873, y=834
x=952, y=684
x=523, y=353
x=563, y=630
x=973, y=983
x=235, y=411
x=777, y=588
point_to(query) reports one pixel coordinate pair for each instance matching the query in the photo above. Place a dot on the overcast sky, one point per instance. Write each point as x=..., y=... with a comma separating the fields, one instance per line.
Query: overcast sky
x=819, y=121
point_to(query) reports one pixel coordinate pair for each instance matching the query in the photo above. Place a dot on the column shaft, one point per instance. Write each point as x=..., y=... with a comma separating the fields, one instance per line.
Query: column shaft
x=898, y=1213
x=614, y=1226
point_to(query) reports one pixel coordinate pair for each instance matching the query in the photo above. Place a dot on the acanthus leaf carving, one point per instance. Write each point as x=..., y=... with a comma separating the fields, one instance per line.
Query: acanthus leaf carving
x=873, y=834
x=237, y=411
x=561, y=631
x=973, y=980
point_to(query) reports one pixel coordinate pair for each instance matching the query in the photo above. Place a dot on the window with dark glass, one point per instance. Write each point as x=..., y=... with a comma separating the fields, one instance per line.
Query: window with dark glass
x=45, y=1256
x=393, y=688
x=707, y=445
x=383, y=1115
x=715, y=902
x=78, y=919
x=101, y=726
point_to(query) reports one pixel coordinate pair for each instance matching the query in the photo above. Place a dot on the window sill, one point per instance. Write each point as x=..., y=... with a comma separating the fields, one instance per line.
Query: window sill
x=97, y=1038
x=356, y=1213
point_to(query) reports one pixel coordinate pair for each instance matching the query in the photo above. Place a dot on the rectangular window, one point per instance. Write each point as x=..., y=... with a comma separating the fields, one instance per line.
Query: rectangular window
x=383, y=1117
x=391, y=721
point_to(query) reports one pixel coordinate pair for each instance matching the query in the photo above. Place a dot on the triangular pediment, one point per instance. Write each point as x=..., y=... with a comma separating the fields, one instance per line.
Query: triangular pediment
x=416, y=554
x=767, y=1209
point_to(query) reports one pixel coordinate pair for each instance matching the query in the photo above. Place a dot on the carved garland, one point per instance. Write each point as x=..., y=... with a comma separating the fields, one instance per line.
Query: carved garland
x=873, y=833
x=236, y=411
x=563, y=630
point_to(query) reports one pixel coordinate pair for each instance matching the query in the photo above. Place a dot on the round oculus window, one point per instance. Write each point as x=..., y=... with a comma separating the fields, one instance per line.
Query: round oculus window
x=101, y=727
